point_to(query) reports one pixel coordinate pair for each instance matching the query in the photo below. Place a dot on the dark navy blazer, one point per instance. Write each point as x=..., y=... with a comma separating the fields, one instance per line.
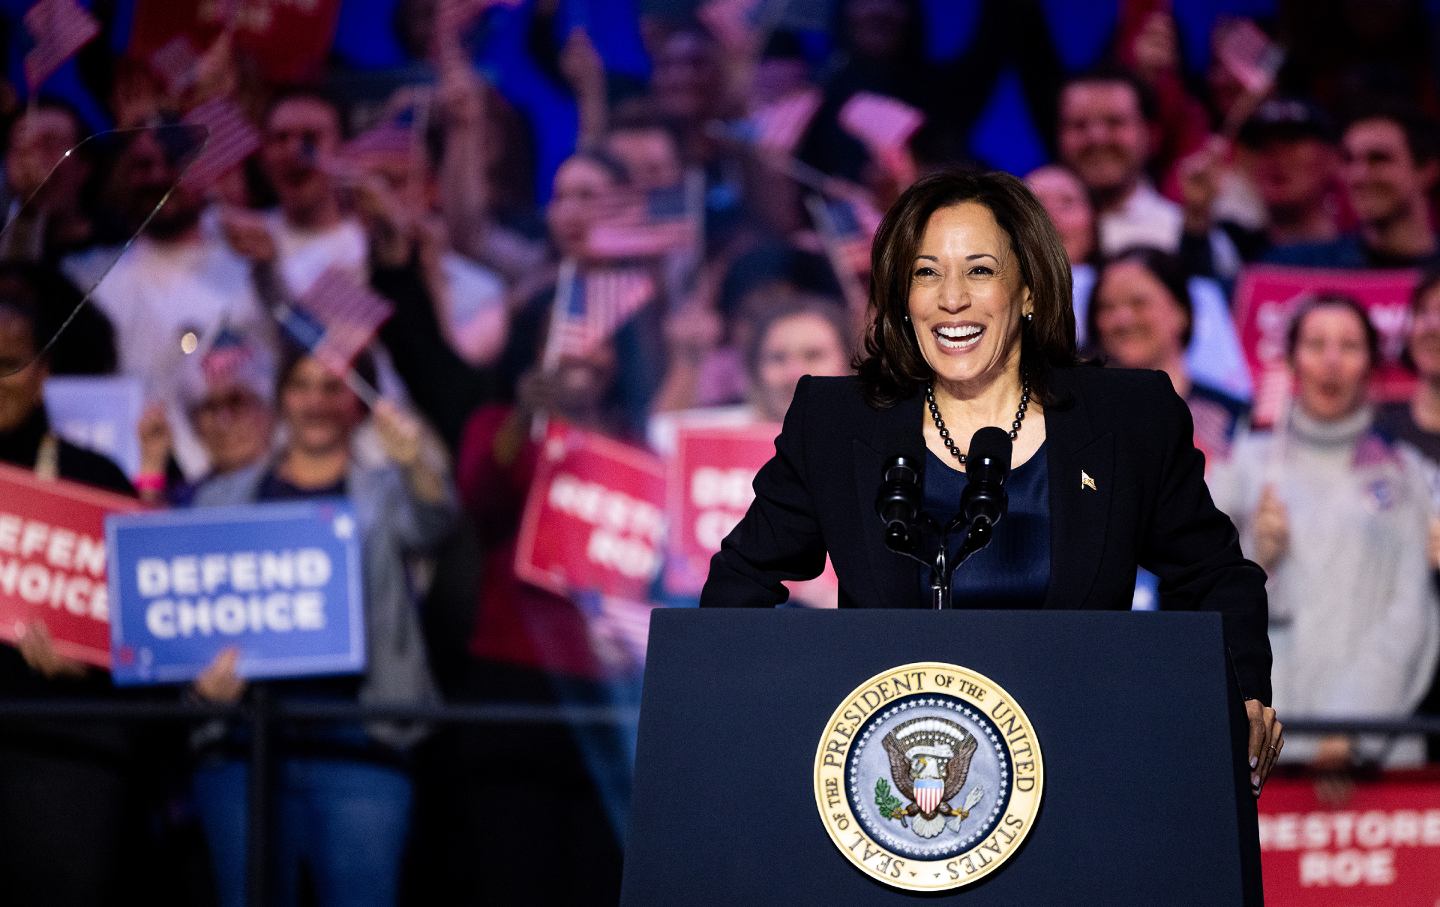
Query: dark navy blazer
x=1127, y=430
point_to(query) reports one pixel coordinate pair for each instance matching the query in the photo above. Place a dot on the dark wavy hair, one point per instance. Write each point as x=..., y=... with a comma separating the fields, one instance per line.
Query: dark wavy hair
x=891, y=367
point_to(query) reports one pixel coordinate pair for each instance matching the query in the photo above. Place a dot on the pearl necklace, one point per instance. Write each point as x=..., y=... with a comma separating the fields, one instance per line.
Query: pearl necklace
x=945, y=432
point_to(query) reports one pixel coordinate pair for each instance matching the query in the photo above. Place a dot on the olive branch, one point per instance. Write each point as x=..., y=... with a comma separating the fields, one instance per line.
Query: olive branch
x=890, y=805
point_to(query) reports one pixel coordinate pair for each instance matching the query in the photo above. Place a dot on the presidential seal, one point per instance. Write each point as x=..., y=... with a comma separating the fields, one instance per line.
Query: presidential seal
x=928, y=776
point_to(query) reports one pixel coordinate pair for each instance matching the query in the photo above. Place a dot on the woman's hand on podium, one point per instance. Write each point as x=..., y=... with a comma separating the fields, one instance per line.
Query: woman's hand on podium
x=1267, y=739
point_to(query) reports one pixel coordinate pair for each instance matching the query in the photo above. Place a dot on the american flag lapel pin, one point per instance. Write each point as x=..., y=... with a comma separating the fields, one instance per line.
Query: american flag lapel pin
x=1086, y=481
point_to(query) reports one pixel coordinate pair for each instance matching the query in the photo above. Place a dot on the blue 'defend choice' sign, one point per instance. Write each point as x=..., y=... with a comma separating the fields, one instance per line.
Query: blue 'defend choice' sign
x=279, y=582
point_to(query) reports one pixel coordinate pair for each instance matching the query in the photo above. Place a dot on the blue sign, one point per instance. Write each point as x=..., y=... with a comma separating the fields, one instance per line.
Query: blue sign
x=279, y=582
x=100, y=414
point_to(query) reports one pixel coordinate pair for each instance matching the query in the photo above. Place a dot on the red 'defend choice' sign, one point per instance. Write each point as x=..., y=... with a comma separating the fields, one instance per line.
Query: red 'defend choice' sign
x=1266, y=298
x=710, y=479
x=594, y=518
x=52, y=562
x=1380, y=847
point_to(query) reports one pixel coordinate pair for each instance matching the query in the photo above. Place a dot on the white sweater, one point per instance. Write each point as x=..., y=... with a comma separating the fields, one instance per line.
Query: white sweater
x=1354, y=623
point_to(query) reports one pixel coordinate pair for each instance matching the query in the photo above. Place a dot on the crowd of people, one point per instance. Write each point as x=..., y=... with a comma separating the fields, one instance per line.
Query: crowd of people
x=730, y=197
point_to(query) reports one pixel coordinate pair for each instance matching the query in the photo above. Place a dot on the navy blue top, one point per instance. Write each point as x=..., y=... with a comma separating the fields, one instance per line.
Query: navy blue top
x=1013, y=571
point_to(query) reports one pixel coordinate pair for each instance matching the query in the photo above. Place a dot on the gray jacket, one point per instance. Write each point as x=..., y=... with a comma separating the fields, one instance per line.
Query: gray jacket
x=393, y=524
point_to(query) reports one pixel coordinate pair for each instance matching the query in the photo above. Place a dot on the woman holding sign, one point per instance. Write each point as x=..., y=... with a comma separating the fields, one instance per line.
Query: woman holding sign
x=972, y=326
x=353, y=782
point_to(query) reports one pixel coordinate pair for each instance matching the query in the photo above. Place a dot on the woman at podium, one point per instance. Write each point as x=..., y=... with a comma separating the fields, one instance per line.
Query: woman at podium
x=971, y=326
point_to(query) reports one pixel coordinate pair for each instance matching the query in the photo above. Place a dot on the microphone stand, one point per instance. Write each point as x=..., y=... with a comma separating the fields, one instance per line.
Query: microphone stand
x=977, y=535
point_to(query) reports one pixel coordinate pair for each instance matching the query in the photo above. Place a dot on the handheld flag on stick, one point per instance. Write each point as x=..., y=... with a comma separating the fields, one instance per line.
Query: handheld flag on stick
x=60, y=28
x=779, y=125
x=231, y=140
x=650, y=224
x=177, y=64
x=847, y=228
x=1250, y=56
x=597, y=305
x=879, y=121
x=335, y=320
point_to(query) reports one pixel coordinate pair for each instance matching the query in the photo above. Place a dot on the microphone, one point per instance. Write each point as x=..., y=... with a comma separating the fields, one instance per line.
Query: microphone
x=987, y=465
x=898, y=502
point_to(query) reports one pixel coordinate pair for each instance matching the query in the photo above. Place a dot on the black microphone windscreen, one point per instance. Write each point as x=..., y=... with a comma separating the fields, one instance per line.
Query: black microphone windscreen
x=990, y=450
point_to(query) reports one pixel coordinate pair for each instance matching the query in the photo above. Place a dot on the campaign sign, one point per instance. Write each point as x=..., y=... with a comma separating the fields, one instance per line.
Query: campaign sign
x=1266, y=298
x=1380, y=846
x=594, y=518
x=99, y=414
x=52, y=562
x=279, y=582
x=709, y=484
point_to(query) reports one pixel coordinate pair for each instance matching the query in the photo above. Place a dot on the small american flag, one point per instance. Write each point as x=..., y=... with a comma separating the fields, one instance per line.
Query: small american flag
x=231, y=140
x=647, y=224
x=880, y=121
x=60, y=28
x=228, y=356
x=336, y=319
x=779, y=125
x=848, y=228
x=1252, y=58
x=731, y=21
x=599, y=304
x=176, y=63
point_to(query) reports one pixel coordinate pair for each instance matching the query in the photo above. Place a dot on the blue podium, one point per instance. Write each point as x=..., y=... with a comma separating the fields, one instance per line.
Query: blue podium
x=767, y=773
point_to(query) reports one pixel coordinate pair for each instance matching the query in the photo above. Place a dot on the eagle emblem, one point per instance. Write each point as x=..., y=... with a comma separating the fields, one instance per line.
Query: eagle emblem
x=929, y=762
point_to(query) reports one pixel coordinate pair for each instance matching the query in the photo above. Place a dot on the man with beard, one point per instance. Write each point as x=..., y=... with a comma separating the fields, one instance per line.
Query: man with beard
x=1105, y=136
x=1389, y=164
x=171, y=294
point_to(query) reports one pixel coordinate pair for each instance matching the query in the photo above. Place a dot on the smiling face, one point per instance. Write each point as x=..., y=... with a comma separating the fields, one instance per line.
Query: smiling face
x=803, y=344
x=1384, y=181
x=1138, y=322
x=1103, y=135
x=1331, y=362
x=319, y=411
x=967, y=298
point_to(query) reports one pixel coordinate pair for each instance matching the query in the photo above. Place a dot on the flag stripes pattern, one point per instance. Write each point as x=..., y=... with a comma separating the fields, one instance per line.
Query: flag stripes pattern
x=337, y=319
x=231, y=140
x=780, y=125
x=655, y=223
x=604, y=302
x=60, y=28
x=880, y=121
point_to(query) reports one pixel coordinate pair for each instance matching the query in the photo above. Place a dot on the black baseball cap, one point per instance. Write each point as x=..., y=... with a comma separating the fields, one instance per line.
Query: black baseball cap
x=1287, y=120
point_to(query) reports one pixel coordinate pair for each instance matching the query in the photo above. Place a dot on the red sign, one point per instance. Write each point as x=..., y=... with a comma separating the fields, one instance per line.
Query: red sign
x=594, y=518
x=287, y=39
x=710, y=488
x=52, y=562
x=1265, y=300
x=1380, y=847
x=709, y=484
